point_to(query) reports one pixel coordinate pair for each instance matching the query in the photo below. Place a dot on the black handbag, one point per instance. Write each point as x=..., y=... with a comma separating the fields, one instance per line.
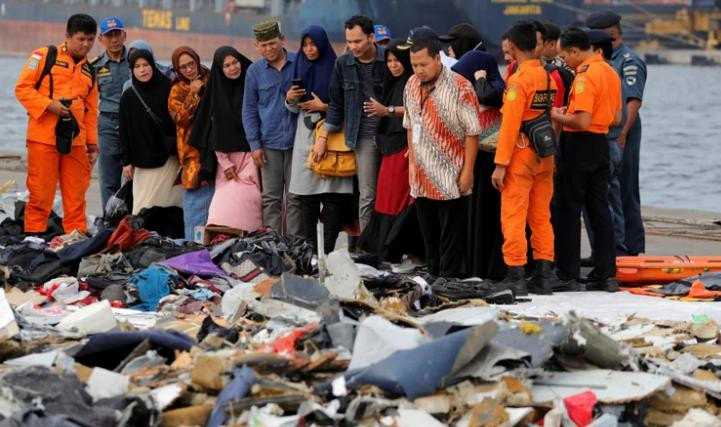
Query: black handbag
x=540, y=130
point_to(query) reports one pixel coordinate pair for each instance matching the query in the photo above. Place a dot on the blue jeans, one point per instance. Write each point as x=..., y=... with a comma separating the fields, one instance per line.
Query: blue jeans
x=110, y=159
x=196, y=204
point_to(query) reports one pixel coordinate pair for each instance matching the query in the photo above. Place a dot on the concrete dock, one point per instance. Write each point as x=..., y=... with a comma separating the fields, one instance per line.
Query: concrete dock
x=669, y=231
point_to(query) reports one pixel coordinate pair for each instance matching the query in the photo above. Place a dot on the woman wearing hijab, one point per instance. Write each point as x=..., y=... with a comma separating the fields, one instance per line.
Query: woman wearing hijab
x=484, y=246
x=314, y=66
x=185, y=94
x=219, y=136
x=393, y=228
x=147, y=136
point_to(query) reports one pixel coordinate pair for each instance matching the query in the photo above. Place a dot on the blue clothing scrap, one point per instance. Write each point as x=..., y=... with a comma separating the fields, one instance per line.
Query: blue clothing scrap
x=153, y=284
x=243, y=380
x=267, y=123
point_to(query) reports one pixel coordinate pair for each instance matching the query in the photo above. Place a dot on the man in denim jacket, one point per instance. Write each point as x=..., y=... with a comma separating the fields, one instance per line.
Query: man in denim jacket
x=354, y=86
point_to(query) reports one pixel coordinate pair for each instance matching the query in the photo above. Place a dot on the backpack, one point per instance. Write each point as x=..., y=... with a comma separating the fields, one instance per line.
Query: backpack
x=566, y=76
x=49, y=63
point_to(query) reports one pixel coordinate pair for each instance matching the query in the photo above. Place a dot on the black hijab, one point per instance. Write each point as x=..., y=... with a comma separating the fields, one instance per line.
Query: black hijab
x=391, y=133
x=156, y=90
x=147, y=140
x=218, y=122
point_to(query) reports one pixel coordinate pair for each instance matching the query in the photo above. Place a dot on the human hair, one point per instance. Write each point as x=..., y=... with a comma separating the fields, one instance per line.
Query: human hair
x=504, y=36
x=523, y=35
x=540, y=28
x=575, y=37
x=433, y=46
x=364, y=22
x=606, y=47
x=81, y=23
x=553, y=32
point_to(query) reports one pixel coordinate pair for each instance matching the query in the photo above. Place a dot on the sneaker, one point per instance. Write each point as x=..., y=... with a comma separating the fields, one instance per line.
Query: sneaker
x=543, y=278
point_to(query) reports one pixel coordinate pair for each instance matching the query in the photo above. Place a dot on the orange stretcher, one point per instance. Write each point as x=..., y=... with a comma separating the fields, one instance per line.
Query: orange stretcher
x=645, y=270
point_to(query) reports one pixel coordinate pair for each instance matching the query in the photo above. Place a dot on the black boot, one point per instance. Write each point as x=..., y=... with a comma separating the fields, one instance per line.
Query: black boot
x=515, y=280
x=609, y=285
x=543, y=278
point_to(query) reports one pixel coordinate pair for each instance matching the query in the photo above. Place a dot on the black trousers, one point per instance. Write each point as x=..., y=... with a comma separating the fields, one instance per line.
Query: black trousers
x=335, y=208
x=583, y=178
x=443, y=225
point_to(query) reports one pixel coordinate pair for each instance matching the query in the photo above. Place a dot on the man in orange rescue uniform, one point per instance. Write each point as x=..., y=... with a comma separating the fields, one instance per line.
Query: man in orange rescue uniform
x=63, y=102
x=594, y=105
x=524, y=179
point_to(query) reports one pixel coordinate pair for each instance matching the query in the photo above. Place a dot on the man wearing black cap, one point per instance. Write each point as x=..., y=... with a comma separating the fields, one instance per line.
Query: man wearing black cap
x=632, y=71
x=462, y=38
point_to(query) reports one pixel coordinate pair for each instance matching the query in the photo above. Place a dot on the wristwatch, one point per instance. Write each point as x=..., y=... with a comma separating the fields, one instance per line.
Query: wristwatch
x=391, y=110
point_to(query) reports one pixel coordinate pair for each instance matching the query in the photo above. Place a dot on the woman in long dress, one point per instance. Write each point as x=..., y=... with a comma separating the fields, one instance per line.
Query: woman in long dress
x=484, y=219
x=147, y=136
x=313, y=67
x=218, y=128
x=393, y=229
x=185, y=95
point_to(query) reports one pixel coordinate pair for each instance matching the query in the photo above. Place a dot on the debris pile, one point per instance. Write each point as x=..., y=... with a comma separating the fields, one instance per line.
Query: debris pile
x=125, y=327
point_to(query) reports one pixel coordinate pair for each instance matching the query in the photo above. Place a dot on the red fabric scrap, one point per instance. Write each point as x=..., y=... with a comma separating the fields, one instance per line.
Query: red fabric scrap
x=286, y=344
x=580, y=407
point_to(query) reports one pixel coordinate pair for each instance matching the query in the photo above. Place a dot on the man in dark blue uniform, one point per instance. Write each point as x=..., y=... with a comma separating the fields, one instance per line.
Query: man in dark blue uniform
x=632, y=71
x=111, y=69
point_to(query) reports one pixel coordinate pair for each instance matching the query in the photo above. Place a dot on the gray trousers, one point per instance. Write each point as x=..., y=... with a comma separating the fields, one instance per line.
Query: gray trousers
x=275, y=176
x=367, y=164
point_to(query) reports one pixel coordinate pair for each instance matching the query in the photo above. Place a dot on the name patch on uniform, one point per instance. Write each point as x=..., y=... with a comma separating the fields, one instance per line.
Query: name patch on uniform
x=542, y=98
x=60, y=63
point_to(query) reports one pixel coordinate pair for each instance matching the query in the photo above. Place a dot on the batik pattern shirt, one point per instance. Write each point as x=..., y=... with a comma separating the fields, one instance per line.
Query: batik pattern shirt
x=441, y=118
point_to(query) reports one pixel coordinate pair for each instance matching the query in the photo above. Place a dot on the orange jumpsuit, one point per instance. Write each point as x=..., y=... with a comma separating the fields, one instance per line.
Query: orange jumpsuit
x=528, y=183
x=46, y=166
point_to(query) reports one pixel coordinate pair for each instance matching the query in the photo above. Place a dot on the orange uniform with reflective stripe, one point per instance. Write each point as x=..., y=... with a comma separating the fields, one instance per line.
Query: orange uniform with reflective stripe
x=596, y=90
x=528, y=183
x=71, y=81
x=46, y=166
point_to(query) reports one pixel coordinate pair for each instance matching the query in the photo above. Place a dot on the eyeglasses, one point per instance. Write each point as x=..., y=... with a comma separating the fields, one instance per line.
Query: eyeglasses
x=187, y=66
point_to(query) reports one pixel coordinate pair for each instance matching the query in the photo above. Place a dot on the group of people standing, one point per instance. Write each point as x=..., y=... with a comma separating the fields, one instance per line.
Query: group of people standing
x=449, y=164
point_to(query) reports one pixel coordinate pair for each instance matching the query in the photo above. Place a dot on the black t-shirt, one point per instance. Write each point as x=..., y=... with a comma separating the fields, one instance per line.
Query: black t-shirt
x=368, y=124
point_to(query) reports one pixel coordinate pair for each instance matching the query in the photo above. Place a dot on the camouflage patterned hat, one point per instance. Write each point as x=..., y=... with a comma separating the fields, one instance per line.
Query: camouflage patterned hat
x=267, y=30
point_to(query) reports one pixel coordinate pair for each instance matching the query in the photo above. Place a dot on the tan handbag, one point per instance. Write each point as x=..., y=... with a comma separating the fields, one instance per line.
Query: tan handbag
x=490, y=119
x=339, y=160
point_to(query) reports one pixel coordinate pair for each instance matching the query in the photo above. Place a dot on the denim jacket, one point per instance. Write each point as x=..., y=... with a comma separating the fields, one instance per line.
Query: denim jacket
x=346, y=93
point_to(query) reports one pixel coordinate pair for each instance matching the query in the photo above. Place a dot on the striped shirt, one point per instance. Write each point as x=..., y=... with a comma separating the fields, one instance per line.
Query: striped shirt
x=446, y=115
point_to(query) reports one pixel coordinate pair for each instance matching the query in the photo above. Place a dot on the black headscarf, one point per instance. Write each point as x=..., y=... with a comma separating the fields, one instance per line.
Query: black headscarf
x=218, y=122
x=391, y=133
x=147, y=143
x=156, y=90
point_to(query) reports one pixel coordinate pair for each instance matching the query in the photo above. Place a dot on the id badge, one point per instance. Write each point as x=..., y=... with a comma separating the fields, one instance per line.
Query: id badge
x=417, y=129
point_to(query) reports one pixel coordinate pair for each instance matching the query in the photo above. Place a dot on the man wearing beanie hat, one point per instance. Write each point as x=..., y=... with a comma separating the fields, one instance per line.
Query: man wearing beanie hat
x=270, y=127
x=630, y=239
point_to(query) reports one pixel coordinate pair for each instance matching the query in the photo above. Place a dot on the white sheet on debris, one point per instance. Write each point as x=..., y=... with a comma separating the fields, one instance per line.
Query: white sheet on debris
x=609, y=307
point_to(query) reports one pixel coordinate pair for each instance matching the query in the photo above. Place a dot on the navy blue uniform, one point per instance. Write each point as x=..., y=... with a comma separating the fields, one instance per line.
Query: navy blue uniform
x=111, y=76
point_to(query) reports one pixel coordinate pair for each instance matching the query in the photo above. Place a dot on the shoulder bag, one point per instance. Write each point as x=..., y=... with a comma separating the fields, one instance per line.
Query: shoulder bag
x=168, y=140
x=339, y=160
x=540, y=131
